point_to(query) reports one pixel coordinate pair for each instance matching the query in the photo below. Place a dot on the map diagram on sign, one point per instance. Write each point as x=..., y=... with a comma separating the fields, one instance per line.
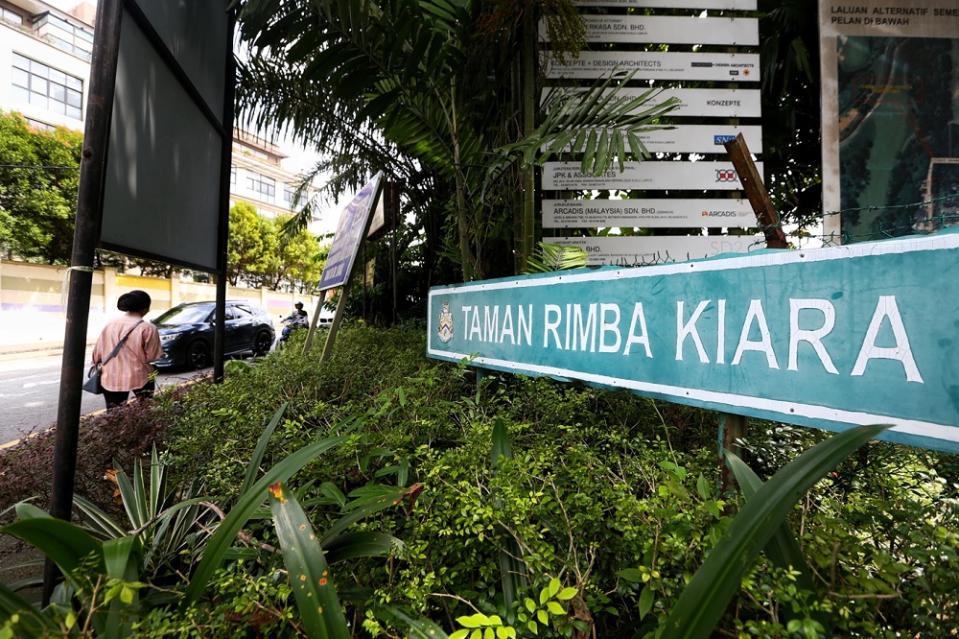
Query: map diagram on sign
x=898, y=135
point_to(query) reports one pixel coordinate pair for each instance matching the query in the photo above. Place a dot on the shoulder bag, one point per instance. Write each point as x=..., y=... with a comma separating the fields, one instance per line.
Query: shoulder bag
x=92, y=385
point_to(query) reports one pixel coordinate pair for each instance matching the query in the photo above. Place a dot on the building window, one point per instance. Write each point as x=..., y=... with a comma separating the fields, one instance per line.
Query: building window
x=65, y=35
x=38, y=125
x=11, y=17
x=288, y=195
x=37, y=84
x=261, y=184
x=233, y=174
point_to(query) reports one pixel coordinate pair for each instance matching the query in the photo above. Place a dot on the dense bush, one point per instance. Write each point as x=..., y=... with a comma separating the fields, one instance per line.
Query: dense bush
x=615, y=496
x=105, y=440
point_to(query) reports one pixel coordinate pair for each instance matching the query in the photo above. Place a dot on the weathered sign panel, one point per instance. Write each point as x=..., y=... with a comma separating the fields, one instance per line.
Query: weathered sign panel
x=719, y=176
x=890, y=116
x=674, y=29
x=161, y=195
x=745, y=5
x=829, y=338
x=648, y=213
x=654, y=65
x=698, y=138
x=715, y=103
x=350, y=230
x=645, y=250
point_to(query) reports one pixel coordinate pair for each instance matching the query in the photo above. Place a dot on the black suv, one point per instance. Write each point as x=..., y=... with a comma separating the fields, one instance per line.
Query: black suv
x=186, y=333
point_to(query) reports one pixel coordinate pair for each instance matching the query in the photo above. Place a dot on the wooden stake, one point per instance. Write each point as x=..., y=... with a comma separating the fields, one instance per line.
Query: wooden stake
x=759, y=198
x=732, y=427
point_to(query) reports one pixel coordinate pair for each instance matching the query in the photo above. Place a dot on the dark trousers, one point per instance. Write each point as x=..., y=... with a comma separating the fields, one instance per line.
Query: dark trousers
x=118, y=398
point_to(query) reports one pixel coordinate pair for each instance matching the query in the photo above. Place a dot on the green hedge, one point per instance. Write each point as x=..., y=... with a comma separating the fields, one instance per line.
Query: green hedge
x=612, y=494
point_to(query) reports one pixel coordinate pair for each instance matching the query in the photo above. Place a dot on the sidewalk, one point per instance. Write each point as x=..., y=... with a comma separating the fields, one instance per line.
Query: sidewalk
x=36, y=331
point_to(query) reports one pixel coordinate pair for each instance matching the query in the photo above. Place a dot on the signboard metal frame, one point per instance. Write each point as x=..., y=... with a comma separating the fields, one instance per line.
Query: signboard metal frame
x=648, y=213
x=351, y=231
x=656, y=65
x=87, y=233
x=352, y=227
x=133, y=14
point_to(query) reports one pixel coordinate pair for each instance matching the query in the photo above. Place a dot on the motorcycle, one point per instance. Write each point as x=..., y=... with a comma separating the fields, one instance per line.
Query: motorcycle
x=290, y=324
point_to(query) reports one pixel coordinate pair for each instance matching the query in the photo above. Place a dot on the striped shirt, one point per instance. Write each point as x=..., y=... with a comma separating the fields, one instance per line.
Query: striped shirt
x=130, y=368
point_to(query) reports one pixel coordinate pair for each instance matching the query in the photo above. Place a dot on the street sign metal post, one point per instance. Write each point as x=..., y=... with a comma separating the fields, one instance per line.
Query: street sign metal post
x=351, y=230
x=148, y=185
x=106, y=47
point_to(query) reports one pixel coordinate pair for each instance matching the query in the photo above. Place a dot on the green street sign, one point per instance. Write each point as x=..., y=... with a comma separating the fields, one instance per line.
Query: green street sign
x=829, y=338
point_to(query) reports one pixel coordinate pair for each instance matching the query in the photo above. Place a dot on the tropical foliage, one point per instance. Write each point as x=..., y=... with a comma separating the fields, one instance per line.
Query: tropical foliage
x=39, y=174
x=490, y=507
x=261, y=254
x=429, y=93
x=791, y=116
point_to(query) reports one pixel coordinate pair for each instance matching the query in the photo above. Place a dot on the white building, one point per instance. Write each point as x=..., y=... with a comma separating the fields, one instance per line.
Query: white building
x=44, y=74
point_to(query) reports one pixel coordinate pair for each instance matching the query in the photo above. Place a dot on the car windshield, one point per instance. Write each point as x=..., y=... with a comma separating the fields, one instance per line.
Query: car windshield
x=191, y=314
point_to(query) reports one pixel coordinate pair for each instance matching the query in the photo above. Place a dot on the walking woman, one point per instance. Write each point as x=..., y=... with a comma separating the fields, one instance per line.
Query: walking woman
x=129, y=369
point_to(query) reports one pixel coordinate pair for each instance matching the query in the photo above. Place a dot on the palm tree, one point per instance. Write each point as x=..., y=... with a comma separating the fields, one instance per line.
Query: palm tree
x=429, y=92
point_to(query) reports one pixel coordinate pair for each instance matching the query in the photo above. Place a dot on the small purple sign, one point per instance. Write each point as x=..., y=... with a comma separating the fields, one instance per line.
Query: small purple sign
x=349, y=233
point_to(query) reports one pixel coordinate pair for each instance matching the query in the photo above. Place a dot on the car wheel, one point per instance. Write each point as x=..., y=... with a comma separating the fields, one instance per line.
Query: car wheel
x=262, y=343
x=198, y=354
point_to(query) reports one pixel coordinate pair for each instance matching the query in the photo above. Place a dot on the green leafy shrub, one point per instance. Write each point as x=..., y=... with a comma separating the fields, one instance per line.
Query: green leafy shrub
x=613, y=495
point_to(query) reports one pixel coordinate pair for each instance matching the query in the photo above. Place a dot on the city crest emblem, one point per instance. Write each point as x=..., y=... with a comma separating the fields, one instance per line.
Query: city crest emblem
x=446, y=324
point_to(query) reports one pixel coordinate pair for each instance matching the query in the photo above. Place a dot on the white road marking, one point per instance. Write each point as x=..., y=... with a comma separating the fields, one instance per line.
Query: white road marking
x=33, y=384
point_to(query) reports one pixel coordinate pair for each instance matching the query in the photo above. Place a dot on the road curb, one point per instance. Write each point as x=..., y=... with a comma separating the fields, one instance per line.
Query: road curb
x=100, y=411
x=12, y=351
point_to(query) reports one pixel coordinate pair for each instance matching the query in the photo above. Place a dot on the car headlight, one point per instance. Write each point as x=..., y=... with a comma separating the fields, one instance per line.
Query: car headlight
x=169, y=337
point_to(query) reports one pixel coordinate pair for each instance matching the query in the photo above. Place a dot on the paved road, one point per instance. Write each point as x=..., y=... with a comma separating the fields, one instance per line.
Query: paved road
x=28, y=393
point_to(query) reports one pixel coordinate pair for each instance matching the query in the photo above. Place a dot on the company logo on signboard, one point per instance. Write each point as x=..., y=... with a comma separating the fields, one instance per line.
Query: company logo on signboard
x=723, y=139
x=445, y=330
x=726, y=175
x=720, y=214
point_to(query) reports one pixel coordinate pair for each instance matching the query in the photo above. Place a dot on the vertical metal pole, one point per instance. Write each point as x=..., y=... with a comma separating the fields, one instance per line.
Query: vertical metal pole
x=527, y=225
x=393, y=268
x=313, y=322
x=365, y=267
x=103, y=71
x=337, y=319
x=223, y=228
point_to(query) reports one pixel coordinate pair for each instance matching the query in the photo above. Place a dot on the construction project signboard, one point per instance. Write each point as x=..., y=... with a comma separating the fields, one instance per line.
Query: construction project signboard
x=890, y=117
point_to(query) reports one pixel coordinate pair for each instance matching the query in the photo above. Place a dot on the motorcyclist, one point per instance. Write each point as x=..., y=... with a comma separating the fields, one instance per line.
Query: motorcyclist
x=297, y=319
